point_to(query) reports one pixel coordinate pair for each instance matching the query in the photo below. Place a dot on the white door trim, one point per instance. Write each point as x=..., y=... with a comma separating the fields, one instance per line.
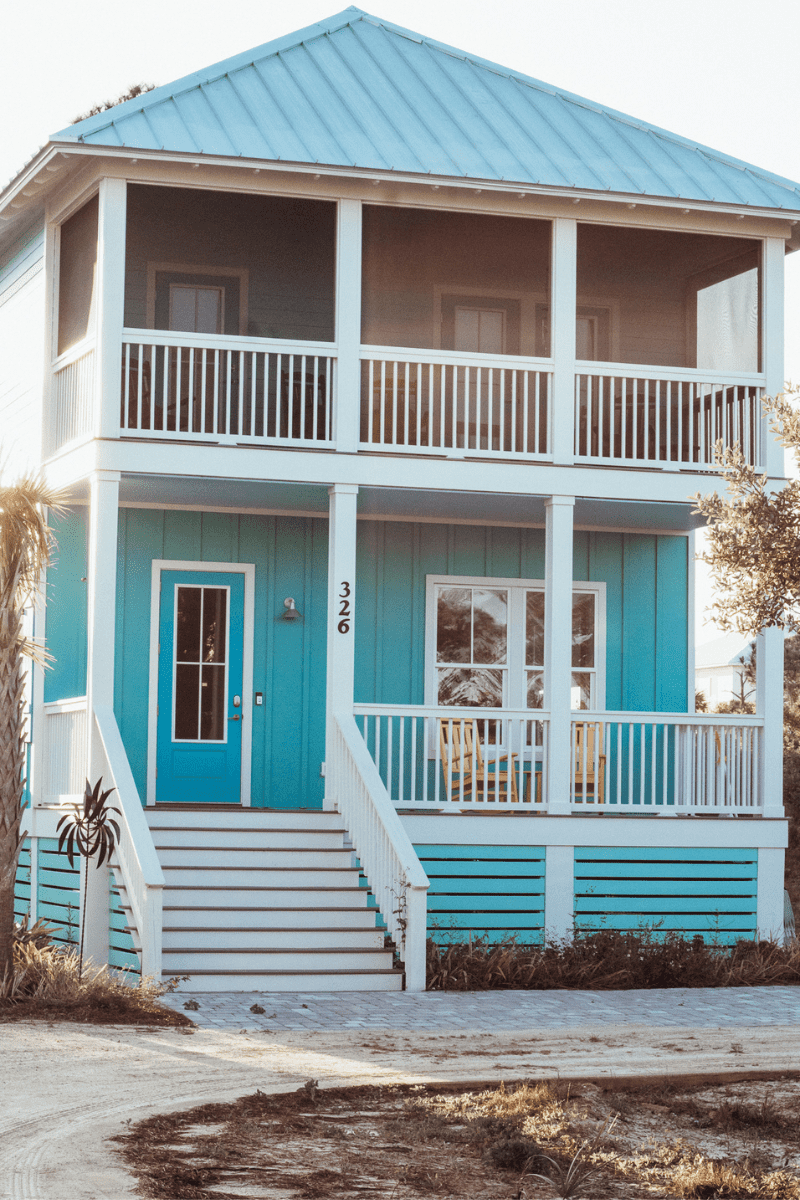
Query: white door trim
x=249, y=572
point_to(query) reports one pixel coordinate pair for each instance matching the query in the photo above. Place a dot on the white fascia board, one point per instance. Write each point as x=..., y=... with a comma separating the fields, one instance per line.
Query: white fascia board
x=645, y=832
x=429, y=183
x=374, y=470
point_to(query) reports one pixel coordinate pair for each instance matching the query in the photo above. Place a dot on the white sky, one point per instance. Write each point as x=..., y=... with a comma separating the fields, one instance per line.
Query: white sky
x=720, y=71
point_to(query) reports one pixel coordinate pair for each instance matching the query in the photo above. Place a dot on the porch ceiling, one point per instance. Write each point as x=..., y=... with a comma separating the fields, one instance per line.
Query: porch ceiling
x=484, y=508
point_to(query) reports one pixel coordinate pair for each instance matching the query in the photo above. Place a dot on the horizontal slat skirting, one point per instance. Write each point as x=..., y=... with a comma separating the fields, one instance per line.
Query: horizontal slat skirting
x=58, y=891
x=713, y=892
x=489, y=891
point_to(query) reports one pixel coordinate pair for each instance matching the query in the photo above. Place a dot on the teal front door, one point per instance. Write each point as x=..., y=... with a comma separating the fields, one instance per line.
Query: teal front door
x=200, y=675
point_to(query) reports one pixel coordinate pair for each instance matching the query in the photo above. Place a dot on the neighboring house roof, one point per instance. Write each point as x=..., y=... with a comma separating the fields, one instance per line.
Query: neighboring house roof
x=722, y=652
x=357, y=91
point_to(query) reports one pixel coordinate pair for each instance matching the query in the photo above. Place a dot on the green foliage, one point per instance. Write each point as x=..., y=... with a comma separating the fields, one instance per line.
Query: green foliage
x=136, y=89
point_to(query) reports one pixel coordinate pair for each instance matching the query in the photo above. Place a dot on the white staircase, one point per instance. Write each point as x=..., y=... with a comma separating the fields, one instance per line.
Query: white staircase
x=266, y=900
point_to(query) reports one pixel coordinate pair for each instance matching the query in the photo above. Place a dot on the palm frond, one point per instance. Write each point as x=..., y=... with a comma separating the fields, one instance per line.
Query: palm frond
x=26, y=543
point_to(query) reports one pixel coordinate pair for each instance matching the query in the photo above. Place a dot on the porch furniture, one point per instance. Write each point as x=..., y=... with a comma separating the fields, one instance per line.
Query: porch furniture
x=466, y=777
x=589, y=766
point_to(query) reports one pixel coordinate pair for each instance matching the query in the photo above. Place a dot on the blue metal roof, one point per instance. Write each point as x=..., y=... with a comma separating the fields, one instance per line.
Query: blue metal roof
x=357, y=91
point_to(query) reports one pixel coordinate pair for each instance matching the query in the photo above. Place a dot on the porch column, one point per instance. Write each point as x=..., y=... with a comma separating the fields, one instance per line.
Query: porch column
x=565, y=266
x=558, y=648
x=769, y=705
x=772, y=267
x=102, y=588
x=110, y=305
x=341, y=614
x=348, y=326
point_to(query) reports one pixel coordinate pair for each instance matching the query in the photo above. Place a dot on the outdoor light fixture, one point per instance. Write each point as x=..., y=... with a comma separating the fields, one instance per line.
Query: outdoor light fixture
x=290, y=612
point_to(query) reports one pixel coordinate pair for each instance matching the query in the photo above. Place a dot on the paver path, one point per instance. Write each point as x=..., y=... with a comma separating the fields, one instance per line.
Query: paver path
x=691, y=1008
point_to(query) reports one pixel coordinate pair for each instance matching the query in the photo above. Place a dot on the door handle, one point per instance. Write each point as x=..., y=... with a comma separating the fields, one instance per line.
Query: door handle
x=234, y=718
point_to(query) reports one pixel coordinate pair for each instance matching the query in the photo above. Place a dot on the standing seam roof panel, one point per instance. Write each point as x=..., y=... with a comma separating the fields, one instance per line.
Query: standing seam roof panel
x=356, y=90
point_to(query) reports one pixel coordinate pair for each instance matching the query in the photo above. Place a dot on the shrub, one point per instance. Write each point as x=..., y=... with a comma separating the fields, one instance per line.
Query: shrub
x=610, y=959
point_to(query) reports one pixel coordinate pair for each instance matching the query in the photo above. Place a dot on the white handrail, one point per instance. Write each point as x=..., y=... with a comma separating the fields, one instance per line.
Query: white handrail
x=458, y=358
x=227, y=341
x=387, y=856
x=136, y=853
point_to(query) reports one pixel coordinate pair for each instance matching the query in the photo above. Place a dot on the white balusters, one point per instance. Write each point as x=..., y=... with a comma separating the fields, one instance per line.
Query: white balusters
x=71, y=397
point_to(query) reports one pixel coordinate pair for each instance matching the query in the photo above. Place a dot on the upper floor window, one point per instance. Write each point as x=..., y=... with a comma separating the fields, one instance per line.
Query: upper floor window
x=205, y=261
x=662, y=298
x=77, y=275
x=475, y=283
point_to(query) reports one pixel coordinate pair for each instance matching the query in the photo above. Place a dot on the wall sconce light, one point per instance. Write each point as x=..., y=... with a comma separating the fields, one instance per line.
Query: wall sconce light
x=291, y=612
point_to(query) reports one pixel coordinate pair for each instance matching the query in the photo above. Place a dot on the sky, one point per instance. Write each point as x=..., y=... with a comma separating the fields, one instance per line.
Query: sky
x=722, y=72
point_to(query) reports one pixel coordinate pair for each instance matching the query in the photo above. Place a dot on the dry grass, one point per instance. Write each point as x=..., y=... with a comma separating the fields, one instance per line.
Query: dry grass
x=46, y=982
x=529, y=1141
x=610, y=959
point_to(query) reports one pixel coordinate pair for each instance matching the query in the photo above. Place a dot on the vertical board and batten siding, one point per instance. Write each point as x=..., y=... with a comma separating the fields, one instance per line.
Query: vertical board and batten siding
x=646, y=579
x=22, y=314
x=121, y=950
x=67, y=607
x=58, y=892
x=712, y=892
x=22, y=883
x=484, y=891
x=291, y=559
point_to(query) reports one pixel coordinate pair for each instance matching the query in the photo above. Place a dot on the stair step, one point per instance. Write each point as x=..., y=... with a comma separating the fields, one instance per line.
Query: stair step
x=184, y=960
x=268, y=918
x=293, y=981
x=253, y=877
x=235, y=938
x=177, y=894
x=248, y=839
x=246, y=858
x=241, y=818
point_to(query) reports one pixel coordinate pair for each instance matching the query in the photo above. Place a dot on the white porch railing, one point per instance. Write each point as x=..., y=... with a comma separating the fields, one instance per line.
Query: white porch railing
x=136, y=854
x=412, y=747
x=382, y=844
x=484, y=405
x=664, y=416
x=71, y=397
x=666, y=763
x=661, y=763
x=227, y=389
x=61, y=751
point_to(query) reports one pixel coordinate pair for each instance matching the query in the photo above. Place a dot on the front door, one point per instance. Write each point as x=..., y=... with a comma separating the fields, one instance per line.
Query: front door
x=200, y=677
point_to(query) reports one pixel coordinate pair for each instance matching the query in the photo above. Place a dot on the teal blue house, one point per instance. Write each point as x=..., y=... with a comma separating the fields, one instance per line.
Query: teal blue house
x=379, y=378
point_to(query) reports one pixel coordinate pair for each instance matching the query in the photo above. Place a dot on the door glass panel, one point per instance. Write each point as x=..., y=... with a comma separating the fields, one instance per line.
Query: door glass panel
x=187, y=689
x=534, y=691
x=534, y=629
x=187, y=625
x=201, y=632
x=214, y=624
x=476, y=687
x=212, y=704
x=583, y=629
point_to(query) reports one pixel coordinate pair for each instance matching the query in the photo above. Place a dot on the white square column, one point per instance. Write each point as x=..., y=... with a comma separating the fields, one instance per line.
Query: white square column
x=347, y=426
x=564, y=300
x=110, y=305
x=558, y=649
x=769, y=705
x=102, y=592
x=341, y=611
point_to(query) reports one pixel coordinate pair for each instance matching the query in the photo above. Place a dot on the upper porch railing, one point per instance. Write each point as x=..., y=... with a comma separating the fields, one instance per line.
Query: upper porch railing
x=260, y=391
x=665, y=764
x=208, y=387
x=663, y=416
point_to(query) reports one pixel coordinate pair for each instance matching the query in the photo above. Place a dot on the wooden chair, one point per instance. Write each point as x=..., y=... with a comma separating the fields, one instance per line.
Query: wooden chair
x=587, y=779
x=466, y=776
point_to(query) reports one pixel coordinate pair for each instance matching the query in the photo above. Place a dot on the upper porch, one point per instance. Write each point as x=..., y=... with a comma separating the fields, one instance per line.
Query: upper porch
x=200, y=318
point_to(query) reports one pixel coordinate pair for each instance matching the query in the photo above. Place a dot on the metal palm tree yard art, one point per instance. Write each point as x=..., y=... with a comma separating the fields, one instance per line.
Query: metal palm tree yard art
x=91, y=831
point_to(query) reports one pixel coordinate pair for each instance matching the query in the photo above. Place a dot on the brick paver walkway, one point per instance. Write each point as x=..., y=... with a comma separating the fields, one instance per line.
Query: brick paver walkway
x=696, y=1008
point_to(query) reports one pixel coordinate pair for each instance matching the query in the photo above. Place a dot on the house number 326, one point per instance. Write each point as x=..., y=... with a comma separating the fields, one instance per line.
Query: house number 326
x=344, y=609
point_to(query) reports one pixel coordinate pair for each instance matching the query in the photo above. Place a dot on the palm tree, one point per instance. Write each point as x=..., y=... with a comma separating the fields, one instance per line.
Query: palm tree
x=26, y=545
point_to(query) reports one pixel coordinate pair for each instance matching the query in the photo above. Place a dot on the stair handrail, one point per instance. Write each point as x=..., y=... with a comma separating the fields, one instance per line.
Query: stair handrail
x=388, y=858
x=135, y=851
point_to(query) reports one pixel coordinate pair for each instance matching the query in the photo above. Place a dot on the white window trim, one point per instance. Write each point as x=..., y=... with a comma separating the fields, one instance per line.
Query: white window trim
x=240, y=273
x=177, y=564
x=527, y=311
x=516, y=635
